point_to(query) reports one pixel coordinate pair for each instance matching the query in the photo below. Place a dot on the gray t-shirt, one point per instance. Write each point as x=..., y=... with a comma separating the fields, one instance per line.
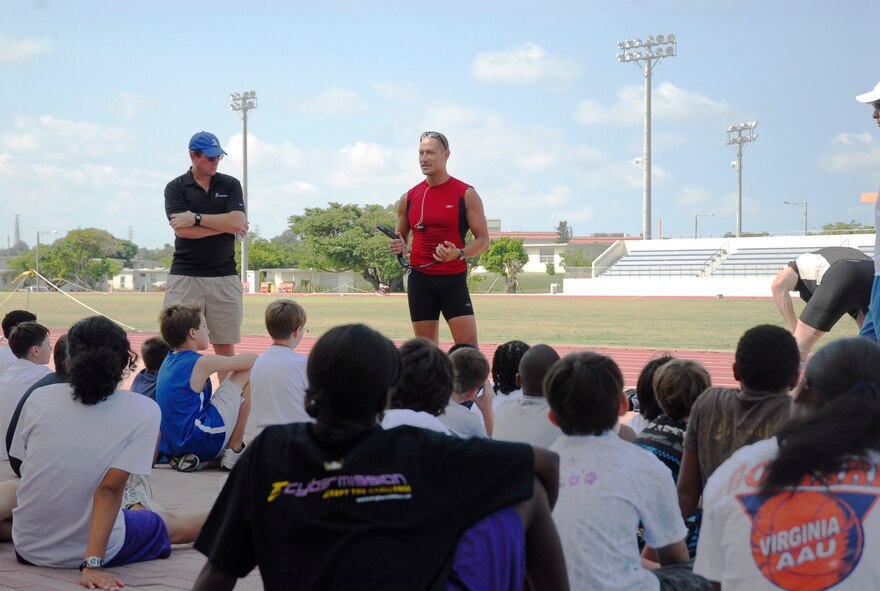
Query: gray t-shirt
x=461, y=422
x=723, y=420
x=67, y=448
x=525, y=420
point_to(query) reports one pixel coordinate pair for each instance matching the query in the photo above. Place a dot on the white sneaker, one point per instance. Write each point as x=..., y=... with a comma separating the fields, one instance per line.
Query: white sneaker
x=137, y=491
x=227, y=462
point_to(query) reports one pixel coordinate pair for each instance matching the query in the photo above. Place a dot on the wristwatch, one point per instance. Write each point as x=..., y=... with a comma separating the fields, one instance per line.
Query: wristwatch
x=92, y=562
x=198, y=219
x=460, y=254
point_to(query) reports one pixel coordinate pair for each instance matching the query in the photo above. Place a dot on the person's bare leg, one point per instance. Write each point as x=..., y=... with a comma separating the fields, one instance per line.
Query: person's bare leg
x=8, y=501
x=429, y=329
x=225, y=349
x=243, y=380
x=183, y=528
x=463, y=329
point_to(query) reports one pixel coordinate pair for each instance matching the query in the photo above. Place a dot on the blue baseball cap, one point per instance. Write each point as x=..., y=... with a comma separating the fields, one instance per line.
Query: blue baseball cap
x=207, y=143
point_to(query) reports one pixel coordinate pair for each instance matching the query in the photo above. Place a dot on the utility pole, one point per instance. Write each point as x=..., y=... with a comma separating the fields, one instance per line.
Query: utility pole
x=736, y=138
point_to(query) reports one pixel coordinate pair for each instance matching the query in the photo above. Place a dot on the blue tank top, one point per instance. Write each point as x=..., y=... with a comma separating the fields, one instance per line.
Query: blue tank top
x=190, y=423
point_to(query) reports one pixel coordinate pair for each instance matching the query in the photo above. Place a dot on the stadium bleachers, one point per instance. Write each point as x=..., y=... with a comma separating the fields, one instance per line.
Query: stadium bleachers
x=742, y=261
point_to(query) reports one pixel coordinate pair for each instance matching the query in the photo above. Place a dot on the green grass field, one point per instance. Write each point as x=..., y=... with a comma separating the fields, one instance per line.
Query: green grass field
x=673, y=323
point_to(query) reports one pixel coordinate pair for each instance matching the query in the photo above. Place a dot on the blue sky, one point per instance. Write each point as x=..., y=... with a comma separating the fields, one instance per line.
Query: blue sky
x=99, y=99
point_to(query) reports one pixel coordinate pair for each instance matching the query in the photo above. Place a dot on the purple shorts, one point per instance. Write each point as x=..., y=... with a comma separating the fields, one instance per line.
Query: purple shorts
x=146, y=538
x=491, y=554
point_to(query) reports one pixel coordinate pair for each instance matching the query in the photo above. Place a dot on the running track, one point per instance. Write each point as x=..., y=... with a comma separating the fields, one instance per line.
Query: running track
x=718, y=363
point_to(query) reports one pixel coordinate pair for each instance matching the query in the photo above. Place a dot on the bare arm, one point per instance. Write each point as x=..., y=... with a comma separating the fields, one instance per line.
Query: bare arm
x=233, y=222
x=690, y=483
x=484, y=405
x=784, y=282
x=476, y=219
x=214, y=579
x=105, y=508
x=196, y=232
x=673, y=554
x=398, y=247
x=209, y=364
x=545, y=561
x=547, y=471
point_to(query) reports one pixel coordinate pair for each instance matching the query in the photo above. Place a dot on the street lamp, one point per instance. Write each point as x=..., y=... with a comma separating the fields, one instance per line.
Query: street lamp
x=700, y=215
x=737, y=135
x=804, y=204
x=37, y=269
x=244, y=102
x=653, y=49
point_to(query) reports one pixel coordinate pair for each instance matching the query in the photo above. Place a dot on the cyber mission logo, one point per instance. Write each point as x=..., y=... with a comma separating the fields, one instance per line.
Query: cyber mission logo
x=810, y=541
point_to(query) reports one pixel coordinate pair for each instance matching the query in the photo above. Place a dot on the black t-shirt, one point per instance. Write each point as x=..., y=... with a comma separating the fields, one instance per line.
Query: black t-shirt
x=380, y=510
x=212, y=256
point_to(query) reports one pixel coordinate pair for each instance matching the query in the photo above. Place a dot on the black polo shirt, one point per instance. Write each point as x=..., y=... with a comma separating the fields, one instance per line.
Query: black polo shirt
x=212, y=256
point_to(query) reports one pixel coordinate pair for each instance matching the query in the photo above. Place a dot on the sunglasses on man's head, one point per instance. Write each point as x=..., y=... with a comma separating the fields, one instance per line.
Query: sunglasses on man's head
x=437, y=136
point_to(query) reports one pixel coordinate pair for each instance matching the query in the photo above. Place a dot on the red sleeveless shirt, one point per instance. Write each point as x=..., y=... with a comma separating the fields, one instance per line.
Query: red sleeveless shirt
x=437, y=214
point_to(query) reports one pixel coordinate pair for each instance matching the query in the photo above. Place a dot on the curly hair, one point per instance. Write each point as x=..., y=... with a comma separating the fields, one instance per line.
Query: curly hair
x=98, y=355
x=426, y=378
x=351, y=370
x=505, y=365
x=767, y=358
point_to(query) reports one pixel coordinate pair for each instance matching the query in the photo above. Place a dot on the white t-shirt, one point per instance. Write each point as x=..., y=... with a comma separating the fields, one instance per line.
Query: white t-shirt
x=461, y=422
x=525, y=420
x=278, y=388
x=66, y=448
x=14, y=382
x=828, y=536
x=395, y=417
x=606, y=487
x=7, y=357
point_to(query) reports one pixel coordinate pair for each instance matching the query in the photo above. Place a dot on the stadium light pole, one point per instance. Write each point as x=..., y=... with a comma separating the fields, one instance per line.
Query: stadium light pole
x=652, y=50
x=37, y=266
x=804, y=204
x=738, y=135
x=700, y=215
x=244, y=102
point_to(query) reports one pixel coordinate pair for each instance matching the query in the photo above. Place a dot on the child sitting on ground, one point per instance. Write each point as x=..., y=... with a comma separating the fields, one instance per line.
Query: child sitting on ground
x=153, y=352
x=471, y=370
x=608, y=486
x=278, y=378
x=198, y=426
x=30, y=344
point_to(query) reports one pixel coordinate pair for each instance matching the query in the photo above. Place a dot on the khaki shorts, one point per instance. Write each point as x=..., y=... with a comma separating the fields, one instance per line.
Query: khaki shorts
x=220, y=299
x=227, y=400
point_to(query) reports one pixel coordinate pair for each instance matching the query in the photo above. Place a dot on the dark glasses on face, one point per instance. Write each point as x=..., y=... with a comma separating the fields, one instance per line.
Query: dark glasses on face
x=437, y=136
x=213, y=158
x=876, y=105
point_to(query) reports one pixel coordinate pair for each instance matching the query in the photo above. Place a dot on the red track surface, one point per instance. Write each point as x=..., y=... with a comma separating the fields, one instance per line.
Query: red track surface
x=718, y=363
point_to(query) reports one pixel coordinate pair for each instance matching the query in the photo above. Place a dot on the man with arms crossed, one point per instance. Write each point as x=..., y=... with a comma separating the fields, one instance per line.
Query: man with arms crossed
x=438, y=212
x=206, y=211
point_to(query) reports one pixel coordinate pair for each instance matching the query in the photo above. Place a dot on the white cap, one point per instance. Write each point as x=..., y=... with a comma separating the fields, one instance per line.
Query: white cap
x=870, y=97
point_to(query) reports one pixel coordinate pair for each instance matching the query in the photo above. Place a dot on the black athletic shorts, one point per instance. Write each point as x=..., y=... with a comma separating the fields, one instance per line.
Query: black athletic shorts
x=845, y=288
x=429, y=295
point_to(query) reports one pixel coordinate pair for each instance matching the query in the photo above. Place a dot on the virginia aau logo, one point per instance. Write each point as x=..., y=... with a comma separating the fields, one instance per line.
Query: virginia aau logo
x=810, y=540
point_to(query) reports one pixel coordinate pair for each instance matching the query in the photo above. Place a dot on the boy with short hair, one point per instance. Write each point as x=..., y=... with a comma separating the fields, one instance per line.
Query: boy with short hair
x=608, y=486
x=198, y=425
x=10, y=321
x=30, y=344
x=278, y=378
x=153, y=352
x=471, y=370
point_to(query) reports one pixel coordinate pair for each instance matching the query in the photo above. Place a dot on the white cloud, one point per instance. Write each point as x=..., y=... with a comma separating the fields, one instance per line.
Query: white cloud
x=18, y=50
x=851, y=152
x=524, y=65
x=332, y=102
x=63, y=139
x=130, y=103
x=668, y=102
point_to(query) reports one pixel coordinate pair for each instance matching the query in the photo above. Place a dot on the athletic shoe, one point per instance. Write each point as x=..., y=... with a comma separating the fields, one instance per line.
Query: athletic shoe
x=227, y=462
x=185, y=463
x=137, y=491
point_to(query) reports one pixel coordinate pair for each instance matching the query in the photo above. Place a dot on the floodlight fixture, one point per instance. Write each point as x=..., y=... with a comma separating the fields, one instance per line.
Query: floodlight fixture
x=244, y=103
x=656, y=48
x=738, y=135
